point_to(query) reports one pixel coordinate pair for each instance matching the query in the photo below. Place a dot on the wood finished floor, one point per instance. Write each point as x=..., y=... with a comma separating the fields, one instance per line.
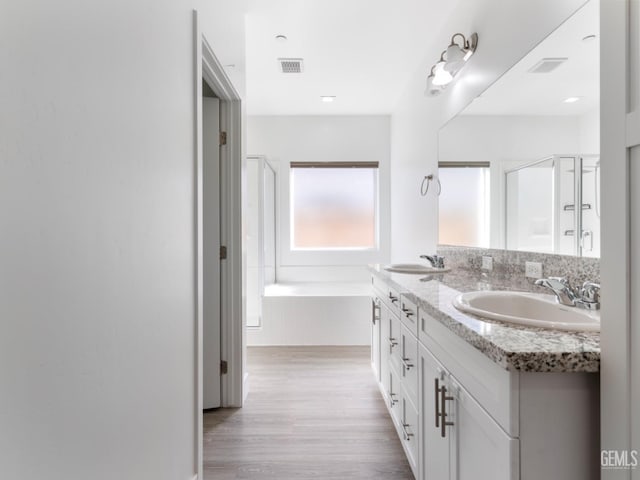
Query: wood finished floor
x=311, y=413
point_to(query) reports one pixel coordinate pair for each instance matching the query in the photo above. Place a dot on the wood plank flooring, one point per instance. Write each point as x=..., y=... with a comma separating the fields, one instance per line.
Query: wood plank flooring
x=311, y=413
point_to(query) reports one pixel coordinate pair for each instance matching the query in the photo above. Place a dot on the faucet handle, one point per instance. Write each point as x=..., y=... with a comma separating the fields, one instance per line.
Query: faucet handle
x=590, y=292
x=562, y=280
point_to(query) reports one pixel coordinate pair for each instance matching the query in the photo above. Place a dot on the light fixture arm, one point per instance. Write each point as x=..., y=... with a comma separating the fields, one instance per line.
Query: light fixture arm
x=465, y=42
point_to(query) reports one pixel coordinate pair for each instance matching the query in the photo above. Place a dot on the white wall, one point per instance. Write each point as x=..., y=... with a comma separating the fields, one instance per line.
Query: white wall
x=589, y=128
x=507, y=31
x=283, y=139
x=97, y=242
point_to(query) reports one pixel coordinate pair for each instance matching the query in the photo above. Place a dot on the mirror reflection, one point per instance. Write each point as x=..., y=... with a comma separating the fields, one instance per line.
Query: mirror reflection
x=520, y=166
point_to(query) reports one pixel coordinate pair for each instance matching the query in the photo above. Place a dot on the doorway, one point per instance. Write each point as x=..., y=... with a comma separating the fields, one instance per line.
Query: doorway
x=212, y=252
x=222, y=276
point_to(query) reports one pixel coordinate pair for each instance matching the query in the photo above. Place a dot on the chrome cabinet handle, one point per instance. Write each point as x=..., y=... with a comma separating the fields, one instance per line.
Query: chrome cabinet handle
x=392, y=342
x=392, y=401
x=406, y=434
x=375, y=311
x=437, y=402
x=443, y=414
x=408, y=312
x=406, y=365
x=392, y=298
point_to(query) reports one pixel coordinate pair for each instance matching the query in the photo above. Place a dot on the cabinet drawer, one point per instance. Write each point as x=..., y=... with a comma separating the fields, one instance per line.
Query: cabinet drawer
x=388, y=294
x=409, y=363
x=495, y=388
x=409, y=314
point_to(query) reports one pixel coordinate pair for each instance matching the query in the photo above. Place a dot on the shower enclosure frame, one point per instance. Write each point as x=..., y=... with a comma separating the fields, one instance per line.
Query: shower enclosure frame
x=578, y=166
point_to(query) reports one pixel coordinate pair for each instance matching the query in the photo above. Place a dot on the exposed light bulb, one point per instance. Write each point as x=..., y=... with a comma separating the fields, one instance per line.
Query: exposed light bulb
x=440, y=74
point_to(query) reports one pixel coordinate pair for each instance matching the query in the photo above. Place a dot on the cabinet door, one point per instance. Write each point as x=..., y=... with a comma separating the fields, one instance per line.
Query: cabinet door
x=395, y=399
x=385, y=348
x=409, y=427
x=481, y=448
x=395, y=351
x=434, y=448
x=375, y=337
x=409, y=357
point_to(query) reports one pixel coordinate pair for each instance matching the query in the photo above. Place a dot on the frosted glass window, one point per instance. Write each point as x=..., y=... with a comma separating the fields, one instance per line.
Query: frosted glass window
x=464, y=206
x=333, y=208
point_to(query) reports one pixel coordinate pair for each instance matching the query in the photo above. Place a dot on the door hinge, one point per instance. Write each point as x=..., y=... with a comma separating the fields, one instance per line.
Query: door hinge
x=223, y=138
x=223, y=252
x=224, y=367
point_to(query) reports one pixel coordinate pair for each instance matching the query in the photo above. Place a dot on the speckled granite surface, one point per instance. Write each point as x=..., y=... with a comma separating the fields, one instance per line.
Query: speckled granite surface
x=508, y=265
x=512, y=347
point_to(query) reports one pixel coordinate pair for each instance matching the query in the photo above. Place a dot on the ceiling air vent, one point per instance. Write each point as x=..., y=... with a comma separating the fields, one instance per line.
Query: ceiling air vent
x=547, y=65
x=290, y=65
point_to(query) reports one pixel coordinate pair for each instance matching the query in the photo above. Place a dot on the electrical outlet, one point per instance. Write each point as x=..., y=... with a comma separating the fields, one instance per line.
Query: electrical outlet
x=533, y=270
x=487, y=263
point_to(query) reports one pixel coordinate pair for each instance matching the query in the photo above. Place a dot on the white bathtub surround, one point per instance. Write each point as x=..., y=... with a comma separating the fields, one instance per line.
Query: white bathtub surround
x=319, y=313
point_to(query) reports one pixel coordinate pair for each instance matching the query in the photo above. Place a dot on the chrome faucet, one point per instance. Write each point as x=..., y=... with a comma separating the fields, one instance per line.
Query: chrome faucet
x=436, y=261
x=588, y=297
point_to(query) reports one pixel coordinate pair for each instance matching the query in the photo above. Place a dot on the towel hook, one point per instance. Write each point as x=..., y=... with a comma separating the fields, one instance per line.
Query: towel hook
x=426, y=182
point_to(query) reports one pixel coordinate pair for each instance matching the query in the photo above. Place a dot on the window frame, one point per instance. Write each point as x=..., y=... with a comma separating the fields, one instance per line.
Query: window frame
x=291, y=256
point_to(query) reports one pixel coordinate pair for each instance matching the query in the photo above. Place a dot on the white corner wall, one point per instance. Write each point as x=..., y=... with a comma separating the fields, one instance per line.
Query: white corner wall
x=283, y=139
x=97, y=242
x=507, y=31
x=589, y=128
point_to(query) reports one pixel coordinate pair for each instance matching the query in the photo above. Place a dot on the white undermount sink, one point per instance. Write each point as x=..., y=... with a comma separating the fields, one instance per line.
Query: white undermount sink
x=529, y=309
x=415, y=268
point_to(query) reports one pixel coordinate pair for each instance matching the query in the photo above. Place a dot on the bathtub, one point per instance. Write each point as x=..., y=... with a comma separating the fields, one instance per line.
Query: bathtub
x=320, y=313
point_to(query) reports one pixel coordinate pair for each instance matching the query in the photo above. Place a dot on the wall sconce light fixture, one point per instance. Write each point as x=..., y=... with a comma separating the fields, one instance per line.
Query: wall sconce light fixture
x=450, y=63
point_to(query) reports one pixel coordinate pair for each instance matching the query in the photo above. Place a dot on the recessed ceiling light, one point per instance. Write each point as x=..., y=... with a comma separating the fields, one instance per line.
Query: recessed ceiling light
x=327, y=98
x=589, y=38
x=281, y=38
x=572, y=99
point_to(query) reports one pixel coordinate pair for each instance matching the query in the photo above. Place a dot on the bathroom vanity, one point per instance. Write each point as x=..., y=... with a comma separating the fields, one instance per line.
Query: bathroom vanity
x=476, y=399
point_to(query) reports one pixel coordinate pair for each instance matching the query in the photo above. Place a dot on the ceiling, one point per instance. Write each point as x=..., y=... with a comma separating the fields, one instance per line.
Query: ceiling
x=360, y=51
x=519, y=92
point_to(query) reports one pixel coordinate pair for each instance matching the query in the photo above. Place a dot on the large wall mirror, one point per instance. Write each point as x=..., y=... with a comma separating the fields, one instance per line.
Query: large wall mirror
x=520, y=166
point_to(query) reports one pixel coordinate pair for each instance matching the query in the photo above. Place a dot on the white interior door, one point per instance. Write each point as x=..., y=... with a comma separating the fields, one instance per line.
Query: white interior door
x=211, y=252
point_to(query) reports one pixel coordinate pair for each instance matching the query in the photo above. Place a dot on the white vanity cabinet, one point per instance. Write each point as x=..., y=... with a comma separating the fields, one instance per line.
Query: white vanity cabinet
x=459, y=439
x=376, y=325
x=462, y=416
x=398, y=346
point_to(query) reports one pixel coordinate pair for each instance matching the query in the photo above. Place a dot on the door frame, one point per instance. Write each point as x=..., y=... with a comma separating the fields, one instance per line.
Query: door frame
x=208, y=68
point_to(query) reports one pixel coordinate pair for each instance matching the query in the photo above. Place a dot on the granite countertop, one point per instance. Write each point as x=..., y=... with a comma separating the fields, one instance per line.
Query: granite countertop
x=513, y=347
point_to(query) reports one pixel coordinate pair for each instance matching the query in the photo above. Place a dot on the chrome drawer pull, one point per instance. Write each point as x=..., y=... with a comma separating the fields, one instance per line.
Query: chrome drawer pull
x=406, y=365
x=437, y=402
x=407, y=435
x=443, y=399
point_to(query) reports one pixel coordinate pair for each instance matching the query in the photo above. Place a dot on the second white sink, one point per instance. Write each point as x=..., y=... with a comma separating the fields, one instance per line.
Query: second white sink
x=415, y=268
x=529, y=309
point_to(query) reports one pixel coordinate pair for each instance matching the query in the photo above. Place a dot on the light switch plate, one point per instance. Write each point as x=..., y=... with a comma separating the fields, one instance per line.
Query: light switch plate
x=533, y=270
x=487, y=263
